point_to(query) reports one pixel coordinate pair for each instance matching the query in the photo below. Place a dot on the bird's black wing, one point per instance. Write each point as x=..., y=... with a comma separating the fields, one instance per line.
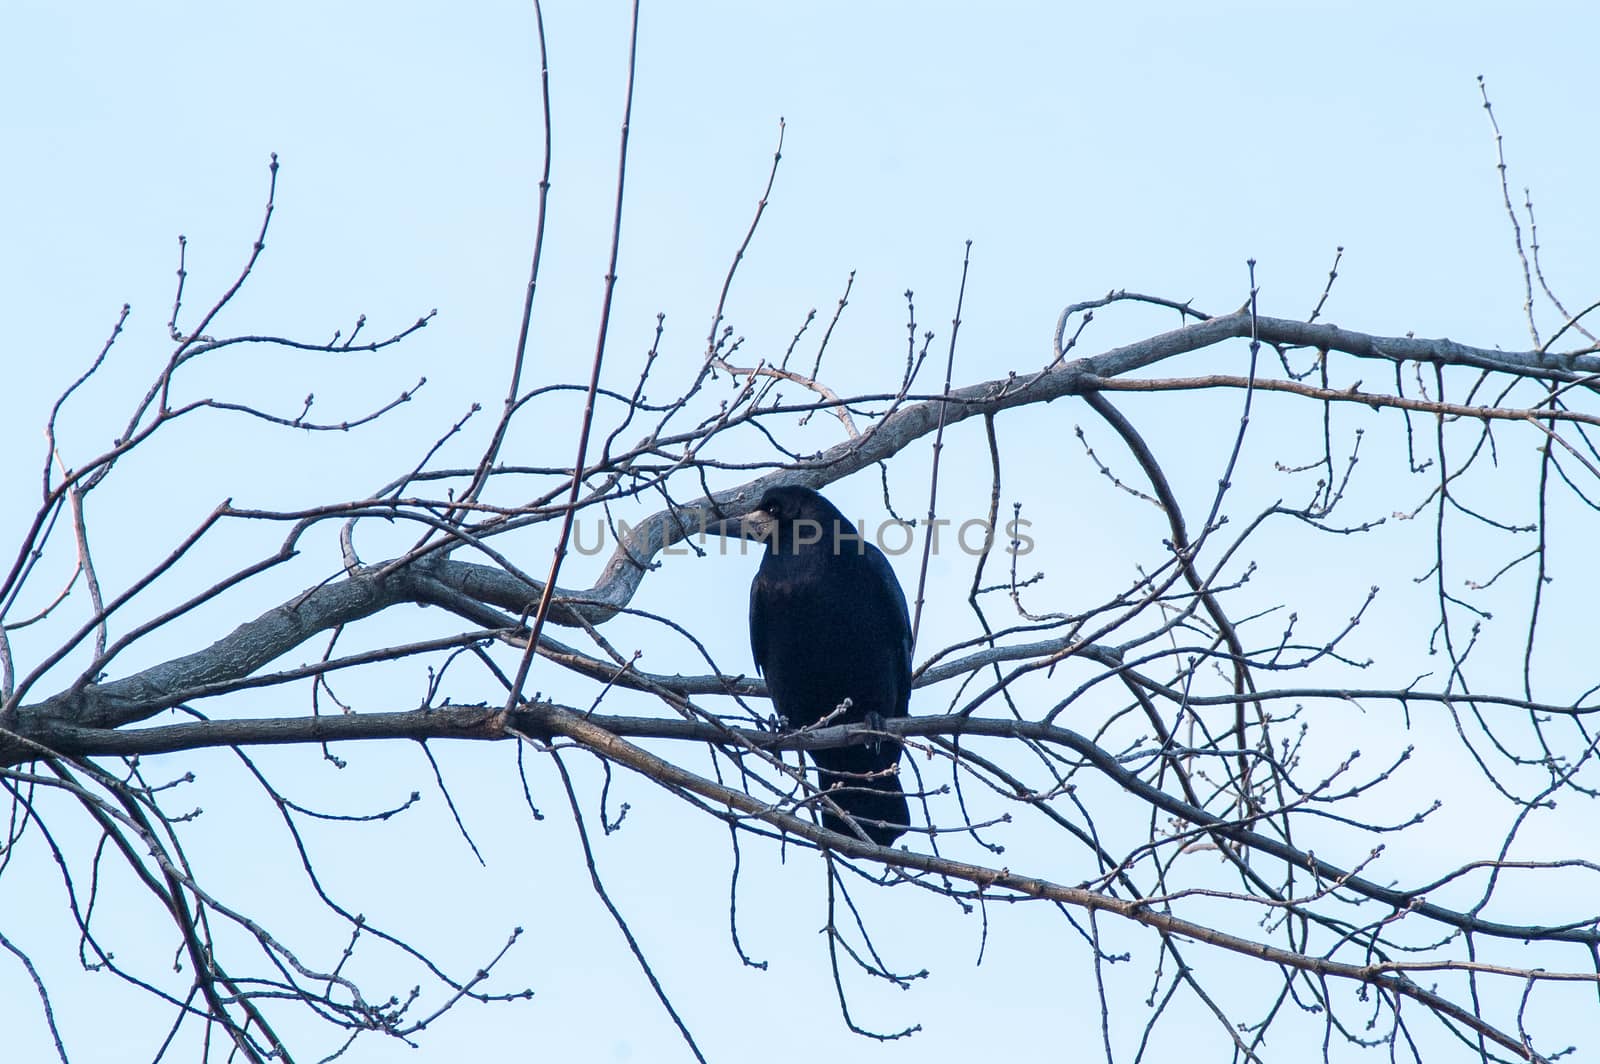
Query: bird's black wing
x=758, y=623
x=898, y=615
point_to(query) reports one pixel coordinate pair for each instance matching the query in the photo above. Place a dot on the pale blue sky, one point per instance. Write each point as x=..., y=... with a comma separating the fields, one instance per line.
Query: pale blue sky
x=1081, y=147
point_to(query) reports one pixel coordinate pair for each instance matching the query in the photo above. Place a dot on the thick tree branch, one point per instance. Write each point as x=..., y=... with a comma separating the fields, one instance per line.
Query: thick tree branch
x=547, y=720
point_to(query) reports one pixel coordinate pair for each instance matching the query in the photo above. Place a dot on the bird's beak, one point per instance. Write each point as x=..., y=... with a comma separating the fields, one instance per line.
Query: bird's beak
x=755, y=525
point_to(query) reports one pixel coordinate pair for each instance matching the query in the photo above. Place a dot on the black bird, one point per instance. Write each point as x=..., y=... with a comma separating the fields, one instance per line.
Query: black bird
x=829, y=624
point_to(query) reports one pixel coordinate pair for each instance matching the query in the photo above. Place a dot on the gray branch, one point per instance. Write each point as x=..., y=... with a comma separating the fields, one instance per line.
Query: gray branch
x=480, y=591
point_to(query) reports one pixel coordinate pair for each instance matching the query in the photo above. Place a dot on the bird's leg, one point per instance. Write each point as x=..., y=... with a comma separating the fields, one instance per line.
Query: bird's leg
x=874, y=721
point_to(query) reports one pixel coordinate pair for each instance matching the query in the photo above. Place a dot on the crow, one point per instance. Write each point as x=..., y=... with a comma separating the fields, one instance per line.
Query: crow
x=830, y=631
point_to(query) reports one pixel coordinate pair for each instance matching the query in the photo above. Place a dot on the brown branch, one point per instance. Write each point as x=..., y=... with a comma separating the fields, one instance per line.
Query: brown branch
x=1352, y=394
x=545, y=720
x=590, y=734
x=542, y=612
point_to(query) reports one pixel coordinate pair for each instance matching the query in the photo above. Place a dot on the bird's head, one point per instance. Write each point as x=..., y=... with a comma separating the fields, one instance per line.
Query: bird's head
x=791, y=519
x=801, y=521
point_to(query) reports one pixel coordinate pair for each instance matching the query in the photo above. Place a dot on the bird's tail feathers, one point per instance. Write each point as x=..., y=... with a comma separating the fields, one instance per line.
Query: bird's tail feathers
x=877, y=804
